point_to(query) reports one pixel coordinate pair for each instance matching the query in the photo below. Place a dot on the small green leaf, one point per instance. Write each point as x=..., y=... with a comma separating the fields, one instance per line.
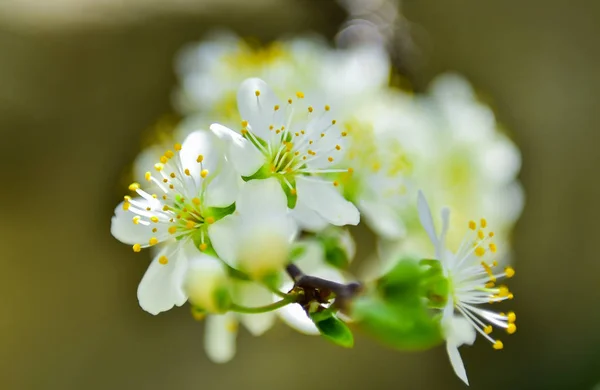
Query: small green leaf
x=333, y=329
x=296, y=252
x=219, y=212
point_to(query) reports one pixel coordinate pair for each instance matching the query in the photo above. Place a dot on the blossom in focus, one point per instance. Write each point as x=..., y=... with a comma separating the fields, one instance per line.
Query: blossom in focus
x=270, y=143
x=473, y=278
x=195, y=188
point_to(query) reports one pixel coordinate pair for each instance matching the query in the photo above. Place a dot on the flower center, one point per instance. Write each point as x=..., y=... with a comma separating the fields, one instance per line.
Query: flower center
x=178, y=212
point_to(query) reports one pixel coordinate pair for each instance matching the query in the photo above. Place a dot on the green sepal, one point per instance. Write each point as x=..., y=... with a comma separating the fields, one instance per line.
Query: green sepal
x=296, y=252
x=219, y=212
x=222, y=299
x=332, y=328
x=263, y=172
x=291, y=198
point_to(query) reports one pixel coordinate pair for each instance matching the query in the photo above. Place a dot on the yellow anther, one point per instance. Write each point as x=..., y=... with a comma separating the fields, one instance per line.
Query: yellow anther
x=148, y=176
x=290, y=101
x=196, y=201
x=494, y=263
x=479, y=251
x=293, y=192
x=154, y=219
x=338, y=147
x=350, y=170
x=136, y=219
x=177, y=147
x=511, y=316
x=137, y=248
x=322, y=135
x=472, y=225
x=163, y=260
x=169, y=154
x=483, y=222
x=498, y=345
x=330, y=159
x=200, y=158
x=480, y=234
x=310, y=109
x=163, y=159
x=488, y=329
x=244, y=131
x=190, y=224
x=310, y=142
x=333, y=121
x=148, y=208
x=244, y=123
x=282, y=128
x=299, y=95
x=173, y=176
x=172, y=229
x=303, y=157
x=197, y=314
x=134, y=186
x=203, y=246
x=271, y=127
x=153, y=241
x=126, y=205
x=491, y=234
x=511, y=328
x=327, y=108
x=489, y=285
x=509, y=272
x=154, y=230
x=335, y=183
x=277, y=131
x=344, y=133
x=503, y=291
x=276, y=107
x=493, y=247
x=210, y=220
x=302, y=131
x=159, y=166
x=166, y=207
x=297, y=134
x=510, y=296
x=154, y=196
x=204, y=173
x=171, y=186
x=289, y=146
x=164, y=197
x=257, y=93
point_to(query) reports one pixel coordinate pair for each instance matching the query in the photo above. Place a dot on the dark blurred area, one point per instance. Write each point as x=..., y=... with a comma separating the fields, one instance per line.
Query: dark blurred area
x=75, y=99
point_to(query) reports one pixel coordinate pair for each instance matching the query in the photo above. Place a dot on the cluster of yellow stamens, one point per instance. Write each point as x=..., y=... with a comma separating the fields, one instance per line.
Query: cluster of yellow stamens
x=179, y=210
x=474, y=282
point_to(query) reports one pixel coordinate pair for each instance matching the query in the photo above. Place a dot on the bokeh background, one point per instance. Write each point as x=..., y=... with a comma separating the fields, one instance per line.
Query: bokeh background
x=80, y=82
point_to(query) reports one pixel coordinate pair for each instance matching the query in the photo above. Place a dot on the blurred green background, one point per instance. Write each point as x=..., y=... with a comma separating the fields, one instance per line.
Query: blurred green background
x=78, y=86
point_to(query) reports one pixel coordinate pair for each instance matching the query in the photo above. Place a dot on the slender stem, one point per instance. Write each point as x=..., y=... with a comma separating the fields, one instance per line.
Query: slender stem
x=263, y=309
x=276, y=291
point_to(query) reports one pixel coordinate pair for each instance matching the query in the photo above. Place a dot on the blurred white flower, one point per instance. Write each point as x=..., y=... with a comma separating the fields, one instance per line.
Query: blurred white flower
x=195, y=188
x=271, y=143
x=211, y=71
x=472, y=282
x=256, y=238
x=473, y=166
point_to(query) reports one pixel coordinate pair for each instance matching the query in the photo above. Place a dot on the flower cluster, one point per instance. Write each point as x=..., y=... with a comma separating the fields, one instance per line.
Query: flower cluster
x=283, y=147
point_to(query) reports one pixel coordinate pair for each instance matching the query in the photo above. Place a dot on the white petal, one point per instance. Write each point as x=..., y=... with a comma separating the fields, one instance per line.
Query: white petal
x=253, y=295
x=445, y=213
x=205, y=275
x=224, y=238
x=161, y=287
x=426, y=219
x=219, y=337
x=462, y=331
x=322, y=197
x=258, y=110
x=456, y=361
x=244, y=156
x=260, y=197
x=382, y=219
x=197, y=143
x=123, y=229
x=223, y=189
x=308, y=219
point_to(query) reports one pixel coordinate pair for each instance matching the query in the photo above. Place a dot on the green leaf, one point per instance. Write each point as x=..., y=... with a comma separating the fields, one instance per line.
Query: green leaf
x=406, y=326
x=333, y=329
x=296, y=252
